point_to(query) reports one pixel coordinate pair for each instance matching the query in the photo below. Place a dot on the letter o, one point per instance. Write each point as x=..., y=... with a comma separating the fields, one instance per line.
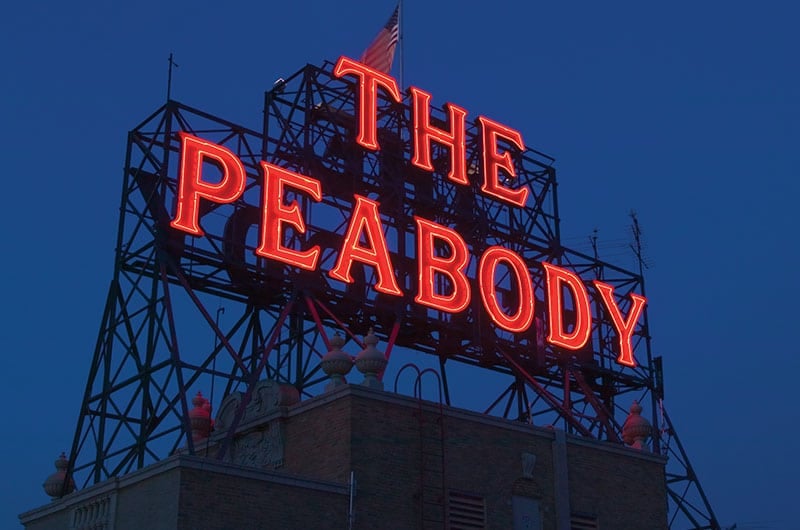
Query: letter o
x=522, y=319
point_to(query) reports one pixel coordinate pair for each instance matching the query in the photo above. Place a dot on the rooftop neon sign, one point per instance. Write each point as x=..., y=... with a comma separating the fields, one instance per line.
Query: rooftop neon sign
x=443, y=256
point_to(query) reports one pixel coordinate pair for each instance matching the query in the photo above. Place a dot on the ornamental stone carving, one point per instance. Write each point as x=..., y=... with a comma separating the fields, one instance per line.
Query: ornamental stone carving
x=95, y=514
x=267, y=396
x=262, y=449
x=227, y=411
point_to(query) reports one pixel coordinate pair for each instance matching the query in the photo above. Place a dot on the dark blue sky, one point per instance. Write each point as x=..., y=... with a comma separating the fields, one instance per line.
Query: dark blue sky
x=688, y=112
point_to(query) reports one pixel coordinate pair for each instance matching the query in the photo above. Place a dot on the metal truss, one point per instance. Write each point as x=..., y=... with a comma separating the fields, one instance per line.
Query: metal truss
x=314, y=114
x=688, y=504
x=162, y=336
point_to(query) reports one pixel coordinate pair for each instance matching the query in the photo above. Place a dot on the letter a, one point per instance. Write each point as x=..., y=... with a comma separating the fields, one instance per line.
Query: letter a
x=367, y=221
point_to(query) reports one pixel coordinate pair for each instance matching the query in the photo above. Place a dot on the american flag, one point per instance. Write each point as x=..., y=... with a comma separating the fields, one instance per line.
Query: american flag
x=380, y=54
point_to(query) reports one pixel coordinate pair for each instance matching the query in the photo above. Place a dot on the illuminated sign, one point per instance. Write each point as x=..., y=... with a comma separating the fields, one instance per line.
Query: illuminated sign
x=443, y=256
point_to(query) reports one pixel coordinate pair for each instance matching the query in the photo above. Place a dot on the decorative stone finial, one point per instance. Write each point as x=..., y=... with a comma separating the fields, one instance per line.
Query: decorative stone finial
x=636, y=429
x=200, y=418
x=55, y=482
x=336, y=363
x=528, y=463
x=371, y=362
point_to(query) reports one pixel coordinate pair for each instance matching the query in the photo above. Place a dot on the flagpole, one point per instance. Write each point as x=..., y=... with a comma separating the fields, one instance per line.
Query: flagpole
x=402, y=44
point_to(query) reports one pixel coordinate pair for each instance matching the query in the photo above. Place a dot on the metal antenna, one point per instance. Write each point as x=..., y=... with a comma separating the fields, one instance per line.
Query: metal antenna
x=172, y=64
x=637, y=243
x=593, y=242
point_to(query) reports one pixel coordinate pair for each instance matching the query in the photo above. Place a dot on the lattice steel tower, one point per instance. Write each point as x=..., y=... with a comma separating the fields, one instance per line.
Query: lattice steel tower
x=161, y=338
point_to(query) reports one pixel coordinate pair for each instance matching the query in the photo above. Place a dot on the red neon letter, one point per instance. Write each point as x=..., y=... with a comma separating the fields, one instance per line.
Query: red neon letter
x=366, y=220
x=494, y=161
x=556, y=278
x=424, y=133
x=453, y=267
x=194, y=151
x=624, y=327
x=368, y=83
x=521, y=320
x=275, y=213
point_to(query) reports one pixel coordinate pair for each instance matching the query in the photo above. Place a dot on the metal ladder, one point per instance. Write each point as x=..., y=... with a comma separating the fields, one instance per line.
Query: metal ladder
x=432, y=481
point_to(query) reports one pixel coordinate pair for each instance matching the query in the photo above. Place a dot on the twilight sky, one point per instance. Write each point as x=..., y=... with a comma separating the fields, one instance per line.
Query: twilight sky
x=688, y=113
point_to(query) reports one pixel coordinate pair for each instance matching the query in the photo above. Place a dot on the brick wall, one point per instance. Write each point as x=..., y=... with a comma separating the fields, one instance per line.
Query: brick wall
x=229, y=502
x=193, y=493
x=378, y=436
x=150, y=503
x=381, y=437
x=624, y=492
x=318, y=439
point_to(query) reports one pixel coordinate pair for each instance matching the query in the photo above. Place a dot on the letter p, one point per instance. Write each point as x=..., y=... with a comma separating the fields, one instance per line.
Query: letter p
x=191, y=187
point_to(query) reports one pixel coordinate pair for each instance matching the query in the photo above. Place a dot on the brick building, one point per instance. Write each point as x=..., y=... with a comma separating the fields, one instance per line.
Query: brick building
x=369, y=458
